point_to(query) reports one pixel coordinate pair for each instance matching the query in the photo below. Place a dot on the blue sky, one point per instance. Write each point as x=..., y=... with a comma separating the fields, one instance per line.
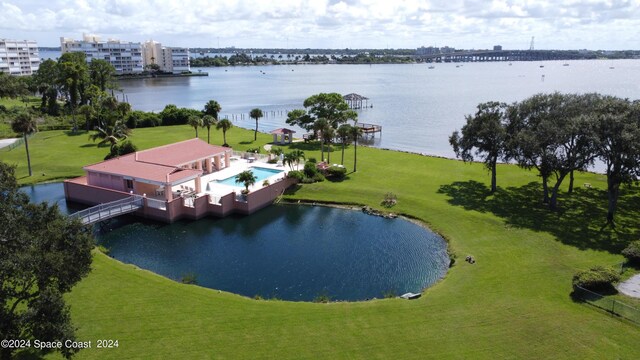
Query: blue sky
x=586, y=24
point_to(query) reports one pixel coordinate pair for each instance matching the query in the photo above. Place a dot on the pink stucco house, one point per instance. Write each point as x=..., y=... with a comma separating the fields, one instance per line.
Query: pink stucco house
x=176, y=181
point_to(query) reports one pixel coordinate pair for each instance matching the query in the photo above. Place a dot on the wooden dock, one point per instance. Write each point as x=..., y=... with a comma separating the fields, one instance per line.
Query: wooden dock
x=369, y=128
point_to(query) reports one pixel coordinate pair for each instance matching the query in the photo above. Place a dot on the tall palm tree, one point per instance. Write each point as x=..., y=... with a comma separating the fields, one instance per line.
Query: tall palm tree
x=212, y=108
x=355, y=134
x=247, y=178
x=110, y=133
x=208, y=121
x=25, y=124
x=320, y=126
x=195, y=122
x=256, y=114
x=327, y=136
x=224, y=124
x=344, y=133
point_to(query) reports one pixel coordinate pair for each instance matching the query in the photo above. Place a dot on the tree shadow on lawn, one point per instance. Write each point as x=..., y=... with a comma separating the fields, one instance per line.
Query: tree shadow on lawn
x=578, y=221
x=77, y=133
x=305, y=146
x=291, y=190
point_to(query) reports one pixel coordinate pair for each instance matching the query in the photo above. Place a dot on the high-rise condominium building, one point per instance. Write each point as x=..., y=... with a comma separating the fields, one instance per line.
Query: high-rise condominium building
x=126, y=57
x=19, y=57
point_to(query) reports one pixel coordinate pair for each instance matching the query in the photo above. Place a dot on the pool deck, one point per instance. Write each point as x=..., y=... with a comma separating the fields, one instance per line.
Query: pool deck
x=238, y=166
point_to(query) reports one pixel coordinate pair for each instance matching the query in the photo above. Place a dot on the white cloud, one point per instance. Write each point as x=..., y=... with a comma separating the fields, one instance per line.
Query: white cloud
x=331, y=23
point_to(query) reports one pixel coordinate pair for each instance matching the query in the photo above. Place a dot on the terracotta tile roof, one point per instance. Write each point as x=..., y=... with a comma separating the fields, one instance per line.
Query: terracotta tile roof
x=158, y=163
x=283, y=131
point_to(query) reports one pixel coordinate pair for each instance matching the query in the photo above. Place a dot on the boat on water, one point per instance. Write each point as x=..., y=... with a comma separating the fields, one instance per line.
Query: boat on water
x=410, y=296
x=541, y=66
x=565, y=64
x=611, y=67
x=432, y=67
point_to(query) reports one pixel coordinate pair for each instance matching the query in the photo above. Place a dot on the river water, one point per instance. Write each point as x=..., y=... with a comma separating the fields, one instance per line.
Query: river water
x=417, y=107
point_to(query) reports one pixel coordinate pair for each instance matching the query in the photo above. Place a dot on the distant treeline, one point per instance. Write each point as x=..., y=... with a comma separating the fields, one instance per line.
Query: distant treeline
x=244, y=59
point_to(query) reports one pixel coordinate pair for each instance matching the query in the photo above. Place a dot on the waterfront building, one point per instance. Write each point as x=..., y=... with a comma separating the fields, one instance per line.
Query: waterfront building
x=189, y=179
x=169, y=59
x=126, y=57
x=447, y=50
x=19, y=57
x=431, y=50
x=428, y=50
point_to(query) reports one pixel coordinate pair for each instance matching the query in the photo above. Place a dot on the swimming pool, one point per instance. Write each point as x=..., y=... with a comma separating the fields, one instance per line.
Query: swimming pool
x=259, y=172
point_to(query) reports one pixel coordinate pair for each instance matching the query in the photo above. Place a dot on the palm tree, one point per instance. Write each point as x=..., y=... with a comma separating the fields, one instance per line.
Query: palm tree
x=212, y=108
x=344, y=133
x=320, y=126
x=25, y=124
x=355, y=134
x=224, y=124
x=327, y=136
x=289, y=159
x=208, y=121
x=195, y=122
x=294, y=157
x=256, y=114
x=298, y=155
x=110, y=133
x=247, y=178
x=89, y=112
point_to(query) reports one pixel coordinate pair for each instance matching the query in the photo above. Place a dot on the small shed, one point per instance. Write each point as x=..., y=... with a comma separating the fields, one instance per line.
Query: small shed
x=283, y=136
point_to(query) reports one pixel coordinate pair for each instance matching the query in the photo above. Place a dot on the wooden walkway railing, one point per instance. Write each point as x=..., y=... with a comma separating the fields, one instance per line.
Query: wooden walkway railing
x=109, y=210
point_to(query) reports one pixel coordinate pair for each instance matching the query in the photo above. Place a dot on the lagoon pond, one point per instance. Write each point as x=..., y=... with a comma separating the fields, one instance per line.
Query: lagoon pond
x=289, y=252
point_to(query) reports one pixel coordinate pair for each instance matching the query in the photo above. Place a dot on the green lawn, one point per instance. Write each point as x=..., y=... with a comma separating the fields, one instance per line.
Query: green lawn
x=5, y=124
x=62, y=154
x=513, y=303
x=17, y=102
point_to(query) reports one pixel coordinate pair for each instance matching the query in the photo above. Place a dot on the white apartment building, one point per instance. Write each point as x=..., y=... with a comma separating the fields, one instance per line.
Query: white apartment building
x=126, y=57
x=170, y=59
x=180, y=59
x=19, y=57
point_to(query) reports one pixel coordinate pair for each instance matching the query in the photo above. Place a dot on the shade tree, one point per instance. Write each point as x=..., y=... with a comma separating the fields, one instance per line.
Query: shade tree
x=329, y=106
x=43, y=254
x=484, y=136
x=618, y=131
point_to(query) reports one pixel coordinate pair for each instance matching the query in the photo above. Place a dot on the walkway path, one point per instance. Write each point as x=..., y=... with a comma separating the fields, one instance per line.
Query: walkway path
x=631, y=287
x=7, y=142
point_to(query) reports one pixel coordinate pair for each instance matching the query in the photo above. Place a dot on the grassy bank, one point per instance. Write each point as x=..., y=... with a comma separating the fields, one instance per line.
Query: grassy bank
x=62, y=154
x=513, y=303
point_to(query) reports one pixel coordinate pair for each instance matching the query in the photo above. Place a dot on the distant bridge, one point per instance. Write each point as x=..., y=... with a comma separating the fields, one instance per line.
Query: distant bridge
x=503, y=55
x=109, y=210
